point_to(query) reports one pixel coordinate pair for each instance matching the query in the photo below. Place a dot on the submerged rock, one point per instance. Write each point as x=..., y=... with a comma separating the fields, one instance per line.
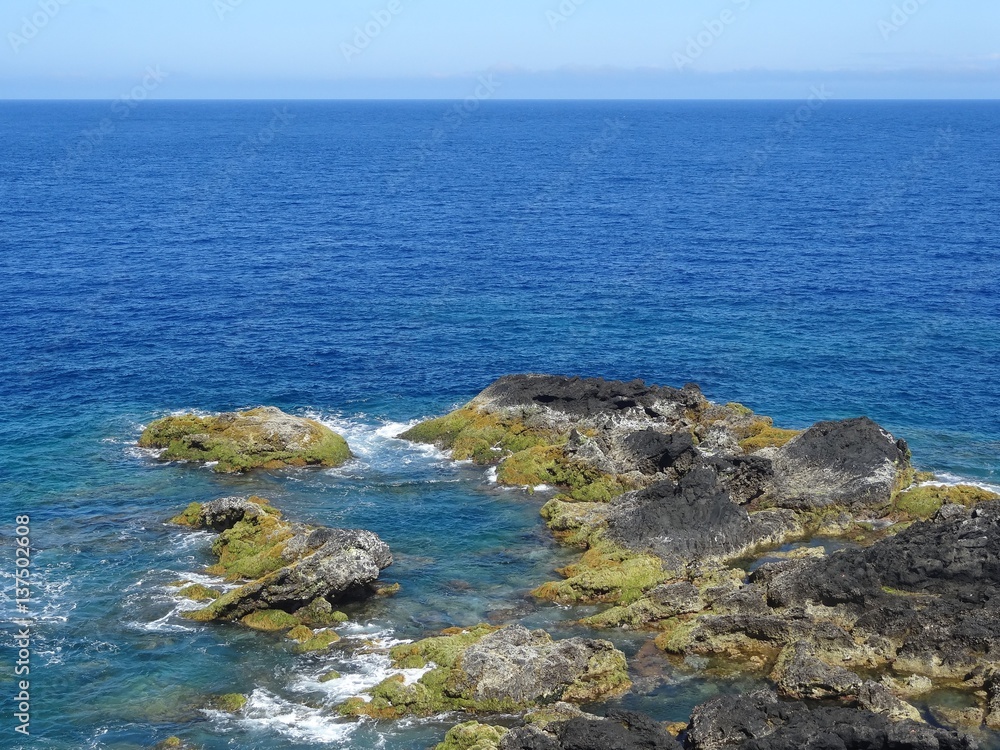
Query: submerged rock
x=237, y=441
x=490, y=670
x=294, y=572
x=761, y=721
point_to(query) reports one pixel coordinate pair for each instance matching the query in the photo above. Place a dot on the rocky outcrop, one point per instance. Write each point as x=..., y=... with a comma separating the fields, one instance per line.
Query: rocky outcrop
x=761, y=721
x=238, y=441
x=693, y=520
x=491, y=670
x=853, y=464
x=293, y=573
x=621, y=730
x=925, y=602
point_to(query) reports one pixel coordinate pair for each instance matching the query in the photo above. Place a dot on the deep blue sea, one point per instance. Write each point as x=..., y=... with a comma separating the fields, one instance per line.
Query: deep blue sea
x=375, y=263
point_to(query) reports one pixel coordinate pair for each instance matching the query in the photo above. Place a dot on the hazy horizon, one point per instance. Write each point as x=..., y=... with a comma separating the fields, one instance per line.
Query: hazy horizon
x=523, y=49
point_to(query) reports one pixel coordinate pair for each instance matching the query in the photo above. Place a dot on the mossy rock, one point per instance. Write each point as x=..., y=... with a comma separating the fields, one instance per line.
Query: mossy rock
x=605, y=574
x=446, y=686
x=269, y=620
x=230, y=703
x=173, y=743
x=330, y=676
x=198, y=593
x=483, y=437
x=252, y=548
x=549, y=465
x=473, y=736
x=924, y=501
x=761, y=433
x=318, y=642
x=240, y=441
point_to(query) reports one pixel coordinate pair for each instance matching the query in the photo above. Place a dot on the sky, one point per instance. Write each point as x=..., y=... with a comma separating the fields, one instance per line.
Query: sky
x=515, y=49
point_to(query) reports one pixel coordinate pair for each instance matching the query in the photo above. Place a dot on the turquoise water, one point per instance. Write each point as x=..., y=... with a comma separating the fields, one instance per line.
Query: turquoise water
x=356, y=269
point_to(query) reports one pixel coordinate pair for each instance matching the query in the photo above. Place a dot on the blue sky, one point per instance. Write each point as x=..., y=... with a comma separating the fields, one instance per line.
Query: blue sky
x=531, y=48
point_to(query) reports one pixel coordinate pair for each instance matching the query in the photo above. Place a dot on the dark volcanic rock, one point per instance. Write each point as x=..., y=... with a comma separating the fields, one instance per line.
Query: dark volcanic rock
x=226, y=512
x=926, y=600
x=760, y=721
x=584, y=397
x=693, y=519
x=657, y=451
x=853, y=463
x=347, y=560
x=621, y=730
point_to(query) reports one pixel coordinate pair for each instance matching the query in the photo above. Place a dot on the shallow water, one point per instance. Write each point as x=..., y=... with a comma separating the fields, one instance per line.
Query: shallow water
x=349, y=271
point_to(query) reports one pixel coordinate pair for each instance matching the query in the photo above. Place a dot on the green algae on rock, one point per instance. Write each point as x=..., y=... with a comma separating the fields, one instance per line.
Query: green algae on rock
x=472, y=736
x=291, y=573
x=230, y=703
x=494, y=670
x=923, y=501
x=264, y=437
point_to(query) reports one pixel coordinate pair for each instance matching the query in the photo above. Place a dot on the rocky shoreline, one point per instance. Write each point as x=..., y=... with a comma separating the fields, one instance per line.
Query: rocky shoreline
x=668, y=496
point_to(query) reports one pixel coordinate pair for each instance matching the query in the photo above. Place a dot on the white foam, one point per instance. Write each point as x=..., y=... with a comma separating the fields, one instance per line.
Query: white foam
x=267, y=712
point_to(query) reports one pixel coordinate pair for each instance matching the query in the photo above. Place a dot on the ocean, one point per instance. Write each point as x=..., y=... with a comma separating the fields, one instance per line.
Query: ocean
x=371, y=264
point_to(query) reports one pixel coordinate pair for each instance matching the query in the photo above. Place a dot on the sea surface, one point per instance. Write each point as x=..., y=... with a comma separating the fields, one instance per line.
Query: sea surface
x=372, y=264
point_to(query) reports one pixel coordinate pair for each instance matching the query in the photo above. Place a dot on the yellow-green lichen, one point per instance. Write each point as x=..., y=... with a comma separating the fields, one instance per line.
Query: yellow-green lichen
x=472, y=736
x=230, y=703
x=924, y=501
x=606, y=573
x=198, y=593
x=483, y=437
x=550, y=465
x=318, y=642
x=268, y=620
x=241, y=441
x=761, y=433
x=252, y=548
x=443, y=688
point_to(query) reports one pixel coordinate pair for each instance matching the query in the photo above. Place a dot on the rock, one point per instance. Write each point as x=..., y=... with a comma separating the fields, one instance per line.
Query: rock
x=472, y=736
x=853, y=464
x=230, y=703
x=693, y=520
x=655, y=452
x=992, y=685
x=759, y=721
x=289, y=568
x=879, y=700
x=238, y=441
x=587, y=398
x=799, y=673
x=621, y=730
x=490, y=670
